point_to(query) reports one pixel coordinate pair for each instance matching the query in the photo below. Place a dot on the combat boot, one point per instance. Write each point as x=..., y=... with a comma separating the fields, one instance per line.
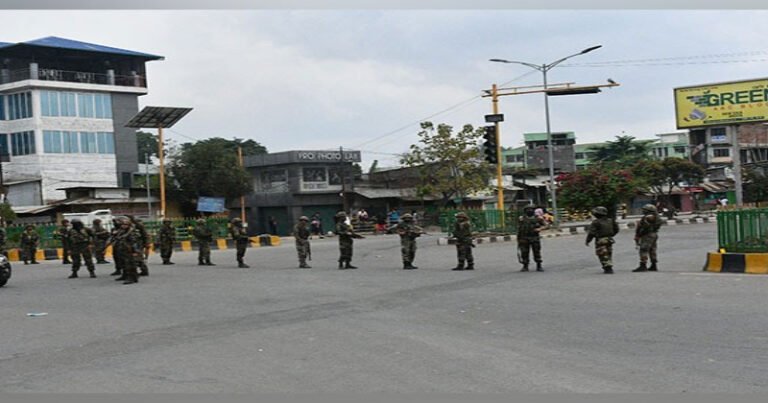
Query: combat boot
x=73, y=275
x=525, y=267
x=341, y=265
x=117, y=272
x=459, y=267
x=408, y=266
x=538, y=267
x=121, y=278
x=144, y=273
x=208, y=263
x=92, y=273
x=608, y=270
x=131, y=280
x=653, y=267
x=349, y=265
x=470, y=266
x=304, y=266
x=242, y=265
x=640, y=268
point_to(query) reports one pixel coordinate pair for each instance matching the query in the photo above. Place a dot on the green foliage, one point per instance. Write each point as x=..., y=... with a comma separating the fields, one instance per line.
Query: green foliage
x=210, y=168
x=146, y=144
x=755, y=185
x=625, y=151
x=6, y=212
x=449, y=165
x=660, y=177
x=598, y=185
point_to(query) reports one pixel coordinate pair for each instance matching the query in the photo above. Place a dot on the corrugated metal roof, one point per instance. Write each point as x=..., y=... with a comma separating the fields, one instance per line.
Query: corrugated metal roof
x=4, y=44
x=63, y=43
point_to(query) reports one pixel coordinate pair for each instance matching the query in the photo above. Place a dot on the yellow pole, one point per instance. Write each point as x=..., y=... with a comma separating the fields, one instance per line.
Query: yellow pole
x=162, y=171
x=499, y=182
x=242, y=198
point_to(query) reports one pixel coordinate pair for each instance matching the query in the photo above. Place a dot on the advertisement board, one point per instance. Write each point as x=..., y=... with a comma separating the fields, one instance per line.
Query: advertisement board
x=211, y=204
x=722, y=104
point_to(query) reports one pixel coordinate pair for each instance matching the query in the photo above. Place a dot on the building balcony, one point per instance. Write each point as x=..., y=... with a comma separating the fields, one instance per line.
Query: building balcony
x=83, y=77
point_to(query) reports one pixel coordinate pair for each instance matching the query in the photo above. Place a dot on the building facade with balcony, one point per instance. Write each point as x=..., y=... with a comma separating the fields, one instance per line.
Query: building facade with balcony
x=63, y=107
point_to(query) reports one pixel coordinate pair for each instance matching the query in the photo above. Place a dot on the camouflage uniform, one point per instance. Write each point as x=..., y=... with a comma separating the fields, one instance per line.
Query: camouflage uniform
x=408, y=232
x=301, y=233
x=167, y=237
x=80, y=248
x=204, y=238
x=127, y=251
x=29, y=241
x=119, y=263
x=100, y=238
x=346, y=235
x=240, y=236
x=602, y=230
x=646, y=236
x=462, y=232
x=63, y=234
x=529, y=227
x=144, y=240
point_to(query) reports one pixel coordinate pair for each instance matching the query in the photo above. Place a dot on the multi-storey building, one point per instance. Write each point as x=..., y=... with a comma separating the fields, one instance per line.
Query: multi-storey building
x=63, y=107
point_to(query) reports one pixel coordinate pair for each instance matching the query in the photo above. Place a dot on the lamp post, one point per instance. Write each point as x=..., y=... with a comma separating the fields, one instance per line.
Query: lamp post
x=544, y=68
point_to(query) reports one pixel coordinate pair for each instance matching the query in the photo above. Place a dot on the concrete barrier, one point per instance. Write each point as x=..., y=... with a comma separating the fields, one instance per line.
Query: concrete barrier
x=751, y=263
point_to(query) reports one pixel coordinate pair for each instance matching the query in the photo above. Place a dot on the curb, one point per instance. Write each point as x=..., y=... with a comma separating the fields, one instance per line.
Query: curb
x=579, y=229
x=751, y=263
x=14, y=254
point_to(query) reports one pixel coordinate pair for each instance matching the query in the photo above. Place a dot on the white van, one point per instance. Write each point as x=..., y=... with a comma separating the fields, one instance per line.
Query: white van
x=87, y=218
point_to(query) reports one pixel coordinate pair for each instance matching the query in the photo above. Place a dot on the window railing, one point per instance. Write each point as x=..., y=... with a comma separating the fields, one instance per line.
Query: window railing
x=46, y=74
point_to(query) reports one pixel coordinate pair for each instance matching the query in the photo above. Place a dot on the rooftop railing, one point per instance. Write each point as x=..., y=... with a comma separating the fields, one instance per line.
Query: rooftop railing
x=45, y=74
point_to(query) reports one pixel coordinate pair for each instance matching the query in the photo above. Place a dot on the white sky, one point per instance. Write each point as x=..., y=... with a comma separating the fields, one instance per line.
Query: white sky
x=300, y=79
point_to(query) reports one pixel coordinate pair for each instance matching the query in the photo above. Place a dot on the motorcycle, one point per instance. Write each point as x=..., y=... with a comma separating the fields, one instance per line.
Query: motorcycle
x=5, y=270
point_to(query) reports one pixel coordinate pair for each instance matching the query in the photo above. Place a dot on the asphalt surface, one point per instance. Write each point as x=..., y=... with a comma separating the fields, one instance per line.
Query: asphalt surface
x=277, y=328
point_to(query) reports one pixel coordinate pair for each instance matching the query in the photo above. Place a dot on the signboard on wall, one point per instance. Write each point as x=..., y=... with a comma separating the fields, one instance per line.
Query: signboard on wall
x=327, y=156
x=211, y=204
x=722, y=104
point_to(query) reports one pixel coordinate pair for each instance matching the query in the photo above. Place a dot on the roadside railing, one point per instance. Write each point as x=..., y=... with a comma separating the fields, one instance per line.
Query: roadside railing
x=743, y=230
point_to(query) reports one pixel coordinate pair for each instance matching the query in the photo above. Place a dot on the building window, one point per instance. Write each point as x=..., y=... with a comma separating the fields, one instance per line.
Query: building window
x=579, y=156
x=2, y=107
x=680, y=149
x=19, y=106
x=4, y=144
x=105, y=142
x=23, y=143
x=88, y=143
x=85, y=105
x=314, y=174
x=52, y=142
x=721, y=152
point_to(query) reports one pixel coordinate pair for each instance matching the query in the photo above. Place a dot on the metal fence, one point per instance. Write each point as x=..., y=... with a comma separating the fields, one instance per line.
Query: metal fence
x=492, y=221
x=743, y=231
x=49, y=238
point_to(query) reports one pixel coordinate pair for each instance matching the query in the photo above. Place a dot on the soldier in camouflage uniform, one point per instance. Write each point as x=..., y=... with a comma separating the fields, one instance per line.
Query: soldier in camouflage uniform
x=80, y=248
x=127, y=250
x=529, y=227
x=408, y=232
x=63, y=234
x=142, y=236
x=204, y=238
x=100, y=238
x=167, y=237
x=301, y=233
x=646, y=236
x=602, y=230
x=240, y=236
x=119, y=264
x=3, y=250
x=29, y=242
x=462, y=232
x=346, y=235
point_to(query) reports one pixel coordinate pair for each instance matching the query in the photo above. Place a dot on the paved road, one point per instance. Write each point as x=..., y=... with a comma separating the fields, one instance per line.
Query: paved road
x=276, y=328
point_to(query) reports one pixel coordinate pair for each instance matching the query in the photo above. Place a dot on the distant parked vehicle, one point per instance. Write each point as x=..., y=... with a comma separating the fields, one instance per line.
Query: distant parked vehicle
x=87, y=218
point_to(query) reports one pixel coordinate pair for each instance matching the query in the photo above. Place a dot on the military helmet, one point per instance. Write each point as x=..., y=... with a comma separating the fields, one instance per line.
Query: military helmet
x=529, y=207
x=600, y=211
x=303, y=218
x=406, y=216
x=649, y=208
x=122, y=220
x=166, y=219
x=200, y=220
x=461, y=214
x=341, y=214
x=64, y=221
x=30, y=226
x=97, y=221
x=236, y=220
x=76, y=220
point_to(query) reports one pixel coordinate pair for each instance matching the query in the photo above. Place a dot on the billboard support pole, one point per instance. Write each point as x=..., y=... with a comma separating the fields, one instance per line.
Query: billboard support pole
x=162, y=170
x=737, y=165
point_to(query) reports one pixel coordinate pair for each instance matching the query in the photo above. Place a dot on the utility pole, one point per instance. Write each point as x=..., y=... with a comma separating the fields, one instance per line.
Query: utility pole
x=343, y=180
x=161, y=171
x=242, y=197
x=499, y=179
x=737, y=165
x=146, y=176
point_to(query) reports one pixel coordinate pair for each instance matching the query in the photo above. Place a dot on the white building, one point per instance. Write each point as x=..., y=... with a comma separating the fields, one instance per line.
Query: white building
x=63, y=107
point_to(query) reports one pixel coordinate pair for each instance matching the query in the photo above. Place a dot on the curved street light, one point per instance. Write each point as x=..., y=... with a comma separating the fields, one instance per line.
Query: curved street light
x=544, y=68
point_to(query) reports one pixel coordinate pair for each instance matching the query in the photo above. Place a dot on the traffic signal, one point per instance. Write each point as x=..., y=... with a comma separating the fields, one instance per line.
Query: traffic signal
x=489, y=145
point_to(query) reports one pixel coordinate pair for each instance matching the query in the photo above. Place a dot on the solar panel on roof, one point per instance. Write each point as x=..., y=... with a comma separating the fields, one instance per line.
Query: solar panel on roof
x=157, y=117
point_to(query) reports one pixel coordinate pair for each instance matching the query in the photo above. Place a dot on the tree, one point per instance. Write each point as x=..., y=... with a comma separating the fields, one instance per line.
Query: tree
x=625, y=150
x=210, y=168
x=660, y=177
x=6, y=212
x=146, y=144
x=755, y=185
x=597, y=185
x=448, y=164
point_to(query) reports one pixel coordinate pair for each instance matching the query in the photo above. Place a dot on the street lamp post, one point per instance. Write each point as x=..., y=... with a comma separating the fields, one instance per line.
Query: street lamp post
x=544, y=68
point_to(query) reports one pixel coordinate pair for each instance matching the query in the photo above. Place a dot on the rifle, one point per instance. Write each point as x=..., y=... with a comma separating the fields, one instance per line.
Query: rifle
x=309, y=251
